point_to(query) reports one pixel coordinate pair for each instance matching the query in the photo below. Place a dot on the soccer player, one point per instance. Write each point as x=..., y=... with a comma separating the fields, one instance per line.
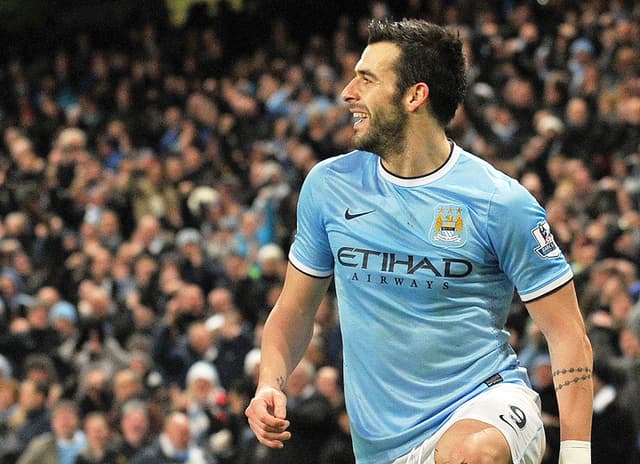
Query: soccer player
x=426, y=243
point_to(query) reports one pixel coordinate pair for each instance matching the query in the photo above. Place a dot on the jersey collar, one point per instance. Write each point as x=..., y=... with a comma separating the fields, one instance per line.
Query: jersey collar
x=427, y=178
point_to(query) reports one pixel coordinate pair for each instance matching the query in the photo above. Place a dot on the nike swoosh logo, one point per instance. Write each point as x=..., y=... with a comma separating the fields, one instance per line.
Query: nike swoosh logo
x=348, y=216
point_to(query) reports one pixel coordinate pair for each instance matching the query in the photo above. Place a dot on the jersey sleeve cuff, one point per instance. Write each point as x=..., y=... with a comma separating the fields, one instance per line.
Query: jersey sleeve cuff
x=308, y=270
x=550, y=287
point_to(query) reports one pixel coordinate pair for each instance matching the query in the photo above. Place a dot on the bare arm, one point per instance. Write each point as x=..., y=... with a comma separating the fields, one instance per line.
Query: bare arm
x=558, y=317
x=290, y=326
x=286, y=336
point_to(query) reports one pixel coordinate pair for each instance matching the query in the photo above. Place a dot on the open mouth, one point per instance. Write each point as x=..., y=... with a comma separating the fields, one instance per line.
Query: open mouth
x=360, y=118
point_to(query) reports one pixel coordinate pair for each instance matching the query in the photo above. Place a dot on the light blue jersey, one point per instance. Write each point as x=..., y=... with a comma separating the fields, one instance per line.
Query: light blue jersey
x=425, y=270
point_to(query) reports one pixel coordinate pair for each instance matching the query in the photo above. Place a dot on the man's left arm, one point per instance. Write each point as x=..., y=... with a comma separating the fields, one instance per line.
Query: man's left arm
x=559, y=318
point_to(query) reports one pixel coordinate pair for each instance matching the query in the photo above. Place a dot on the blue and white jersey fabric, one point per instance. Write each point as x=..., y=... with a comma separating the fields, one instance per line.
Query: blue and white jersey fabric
x=425, y=270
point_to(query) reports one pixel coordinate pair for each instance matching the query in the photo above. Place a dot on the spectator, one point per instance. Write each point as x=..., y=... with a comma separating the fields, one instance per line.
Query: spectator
x=173, y=444
x=135, y=434
x=63, y=444
x=30, y=335
x=338, y=449
x=205, y=402
x=232, y=341
x=94, y=392
x=230, y=444
x=99, y=449
x=175, y=353
x=145, y=182
x=127, y=386
x=220, y=300
x=542, y=378
x=9, y=406
x=327, y=326
x=311, y=414
x=40, y=368
x=148, y=236
x=195, y=266
x=628, y=367
x=33, y=415
x=252, y=365
x=15, y=301
x=328, y=384
x=271, y=266
x=110, y=230
x=64, y=319
x=614, y=433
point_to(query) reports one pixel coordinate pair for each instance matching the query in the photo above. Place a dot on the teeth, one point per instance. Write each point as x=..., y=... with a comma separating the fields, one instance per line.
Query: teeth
x=360, y=115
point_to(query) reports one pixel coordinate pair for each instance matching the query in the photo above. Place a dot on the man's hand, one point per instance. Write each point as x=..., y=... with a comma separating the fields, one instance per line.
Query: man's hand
x=266, y=414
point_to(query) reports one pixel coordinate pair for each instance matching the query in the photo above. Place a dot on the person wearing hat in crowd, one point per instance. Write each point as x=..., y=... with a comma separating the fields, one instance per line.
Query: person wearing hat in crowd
x=62, y=314
x=63, y=317
x=204, y=401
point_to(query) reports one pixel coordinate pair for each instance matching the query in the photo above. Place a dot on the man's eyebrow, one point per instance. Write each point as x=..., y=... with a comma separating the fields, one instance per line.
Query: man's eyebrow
x=366, y=73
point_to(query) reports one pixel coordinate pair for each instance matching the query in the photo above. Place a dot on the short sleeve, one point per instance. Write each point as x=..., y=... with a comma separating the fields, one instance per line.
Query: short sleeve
x=311, y=251
x=524, y=244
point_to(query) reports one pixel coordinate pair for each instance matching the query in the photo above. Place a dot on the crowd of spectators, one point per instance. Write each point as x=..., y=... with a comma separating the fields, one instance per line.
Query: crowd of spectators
x=147, y=203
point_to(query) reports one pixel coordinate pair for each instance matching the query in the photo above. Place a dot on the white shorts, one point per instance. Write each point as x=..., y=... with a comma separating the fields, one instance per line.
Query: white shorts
x=512, y=409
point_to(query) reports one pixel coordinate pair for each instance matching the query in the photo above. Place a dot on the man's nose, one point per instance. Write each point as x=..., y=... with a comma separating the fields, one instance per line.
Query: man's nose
x=348, y=93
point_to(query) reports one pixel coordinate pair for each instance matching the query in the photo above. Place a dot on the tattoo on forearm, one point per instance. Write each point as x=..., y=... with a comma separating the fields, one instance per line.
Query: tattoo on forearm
x=579, y=374
x=281, y=382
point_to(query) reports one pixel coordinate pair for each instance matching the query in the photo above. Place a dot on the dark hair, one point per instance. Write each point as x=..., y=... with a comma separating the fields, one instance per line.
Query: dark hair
x=429, y=54
x=65, y=404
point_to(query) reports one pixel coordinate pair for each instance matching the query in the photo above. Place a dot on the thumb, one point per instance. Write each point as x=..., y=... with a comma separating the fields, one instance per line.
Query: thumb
x=280, y=405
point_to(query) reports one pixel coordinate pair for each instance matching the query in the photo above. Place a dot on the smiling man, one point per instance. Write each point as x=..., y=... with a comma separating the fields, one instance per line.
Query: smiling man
x=426, y=243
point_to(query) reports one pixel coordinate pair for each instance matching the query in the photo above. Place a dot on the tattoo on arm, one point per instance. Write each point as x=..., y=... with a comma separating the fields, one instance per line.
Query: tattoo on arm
x=281, y=382
x=571, y=375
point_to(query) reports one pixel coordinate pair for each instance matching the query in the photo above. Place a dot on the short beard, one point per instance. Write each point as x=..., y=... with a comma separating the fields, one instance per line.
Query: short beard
x=386, y=134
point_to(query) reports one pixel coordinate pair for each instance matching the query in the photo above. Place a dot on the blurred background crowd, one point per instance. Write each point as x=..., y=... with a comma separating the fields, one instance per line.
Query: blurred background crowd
x=150, y=160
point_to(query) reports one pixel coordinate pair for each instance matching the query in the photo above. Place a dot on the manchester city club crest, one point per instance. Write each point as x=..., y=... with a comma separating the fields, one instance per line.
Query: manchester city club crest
x=450, y=226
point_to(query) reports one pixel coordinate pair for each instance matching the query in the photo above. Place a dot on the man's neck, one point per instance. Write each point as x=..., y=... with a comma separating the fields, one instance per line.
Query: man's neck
x=425, y=152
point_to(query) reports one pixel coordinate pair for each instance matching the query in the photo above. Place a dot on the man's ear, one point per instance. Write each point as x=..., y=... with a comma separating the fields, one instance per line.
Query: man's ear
x=417, y=96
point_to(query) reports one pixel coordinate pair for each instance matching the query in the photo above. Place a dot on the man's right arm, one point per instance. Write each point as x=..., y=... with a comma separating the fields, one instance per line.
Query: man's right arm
x=285, y=338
